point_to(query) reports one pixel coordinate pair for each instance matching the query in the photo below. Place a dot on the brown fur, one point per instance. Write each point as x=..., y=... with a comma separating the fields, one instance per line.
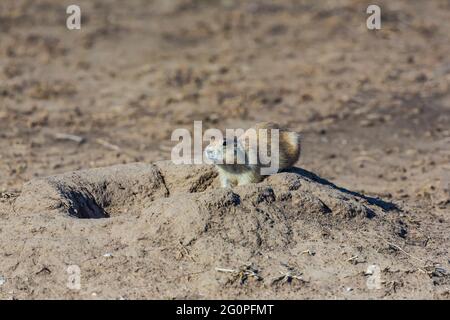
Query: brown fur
x=289, y=143
x=240, y=174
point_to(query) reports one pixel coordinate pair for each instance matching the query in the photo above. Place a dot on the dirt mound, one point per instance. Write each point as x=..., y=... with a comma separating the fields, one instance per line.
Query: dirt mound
x=95, y=193
x=175, y=222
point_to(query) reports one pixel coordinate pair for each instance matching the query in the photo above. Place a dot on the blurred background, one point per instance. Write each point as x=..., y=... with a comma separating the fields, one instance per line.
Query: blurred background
x=373, y=105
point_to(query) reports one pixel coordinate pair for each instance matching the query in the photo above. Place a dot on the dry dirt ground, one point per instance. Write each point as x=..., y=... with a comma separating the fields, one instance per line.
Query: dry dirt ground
x=373, y=107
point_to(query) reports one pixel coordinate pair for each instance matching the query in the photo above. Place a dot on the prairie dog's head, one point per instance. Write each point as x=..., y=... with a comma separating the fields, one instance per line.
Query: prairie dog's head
x=226, y=151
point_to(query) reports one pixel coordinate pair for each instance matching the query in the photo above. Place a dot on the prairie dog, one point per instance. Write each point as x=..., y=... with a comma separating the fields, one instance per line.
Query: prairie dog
x=244, y=159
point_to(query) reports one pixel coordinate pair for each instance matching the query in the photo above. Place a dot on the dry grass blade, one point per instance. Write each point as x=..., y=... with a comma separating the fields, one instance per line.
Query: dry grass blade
x=243, y=273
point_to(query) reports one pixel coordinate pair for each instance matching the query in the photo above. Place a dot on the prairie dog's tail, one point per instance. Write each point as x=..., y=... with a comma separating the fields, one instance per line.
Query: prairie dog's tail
x=290, y=148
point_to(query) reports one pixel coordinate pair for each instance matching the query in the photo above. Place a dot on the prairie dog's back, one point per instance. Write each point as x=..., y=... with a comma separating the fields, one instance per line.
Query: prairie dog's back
x=289, y=142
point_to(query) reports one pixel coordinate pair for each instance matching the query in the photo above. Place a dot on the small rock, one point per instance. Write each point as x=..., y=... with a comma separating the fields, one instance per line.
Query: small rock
x=366, y=123
x=2, y=280
x=421, y=77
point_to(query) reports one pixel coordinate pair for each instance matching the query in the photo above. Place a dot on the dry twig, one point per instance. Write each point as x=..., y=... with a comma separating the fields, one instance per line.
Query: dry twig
x=243, y=273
